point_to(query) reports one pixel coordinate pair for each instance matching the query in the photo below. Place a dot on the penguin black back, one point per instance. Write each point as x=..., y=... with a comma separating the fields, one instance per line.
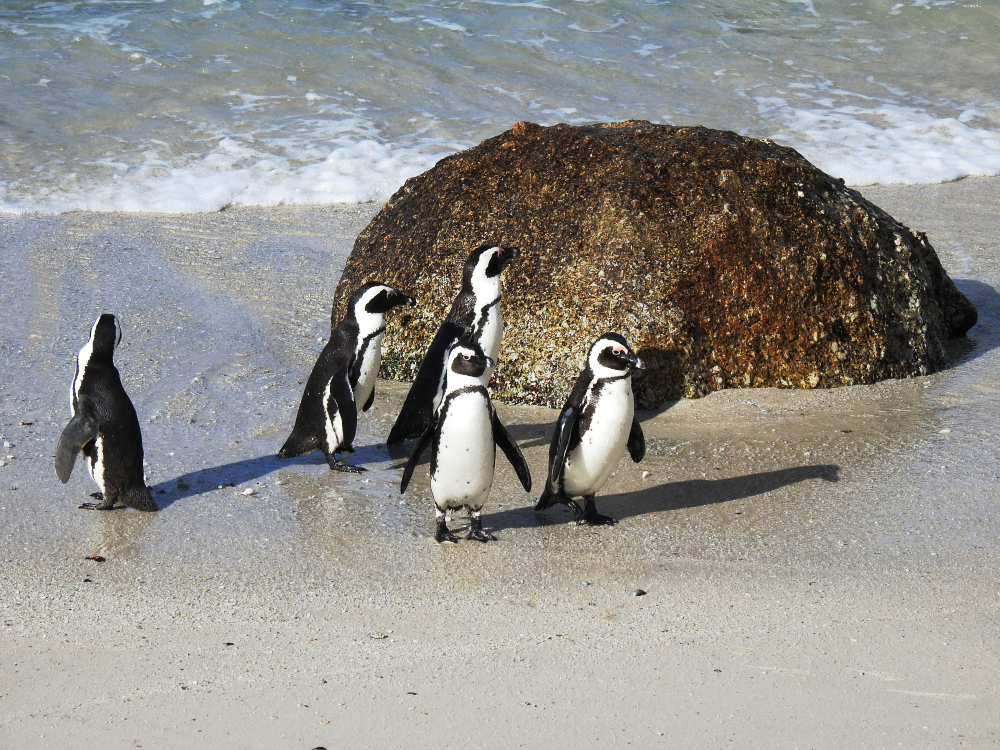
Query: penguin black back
x=328, y=411
x=475, y=314
x=104, y=426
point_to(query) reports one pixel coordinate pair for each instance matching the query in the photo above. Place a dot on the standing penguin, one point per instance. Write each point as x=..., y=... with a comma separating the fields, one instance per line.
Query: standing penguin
x=104, y=426
x=464, y=434
x=474, y=313
x=344, y=376
x=595, y=426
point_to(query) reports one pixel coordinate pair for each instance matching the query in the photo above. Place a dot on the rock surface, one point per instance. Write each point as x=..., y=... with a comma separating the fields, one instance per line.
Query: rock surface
x=727, y=262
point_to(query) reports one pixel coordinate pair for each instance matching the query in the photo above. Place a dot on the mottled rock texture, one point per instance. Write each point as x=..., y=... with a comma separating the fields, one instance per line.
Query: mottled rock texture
x=728, y=262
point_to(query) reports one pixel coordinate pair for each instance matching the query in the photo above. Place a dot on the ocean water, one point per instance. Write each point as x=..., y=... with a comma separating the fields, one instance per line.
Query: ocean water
x=184, y=106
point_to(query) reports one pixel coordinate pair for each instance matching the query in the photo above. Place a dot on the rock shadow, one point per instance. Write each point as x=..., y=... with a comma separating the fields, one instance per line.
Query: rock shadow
x=984, y=336
x=690, y=493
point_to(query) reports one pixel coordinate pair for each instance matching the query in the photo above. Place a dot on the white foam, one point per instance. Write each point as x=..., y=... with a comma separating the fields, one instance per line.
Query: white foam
x=888, y=143
x=235, y=174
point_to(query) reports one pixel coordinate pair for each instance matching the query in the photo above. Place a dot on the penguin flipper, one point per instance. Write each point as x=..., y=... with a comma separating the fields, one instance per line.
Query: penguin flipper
x=418, y=408
x=82, y=428
x=560, y=444
x=511, y=450
x=636, y=442
x=414, y=459
x=370, y=401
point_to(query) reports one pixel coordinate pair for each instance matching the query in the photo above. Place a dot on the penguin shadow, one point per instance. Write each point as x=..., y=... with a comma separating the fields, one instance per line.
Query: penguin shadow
x=689, y=493
x=985, y=335
x=205, y=480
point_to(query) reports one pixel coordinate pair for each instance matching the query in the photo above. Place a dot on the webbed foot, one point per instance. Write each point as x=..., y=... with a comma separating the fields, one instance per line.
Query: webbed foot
x=591, y=517
x=342, y=465
x=105, y=503
x=477, y=533
x=444, y=536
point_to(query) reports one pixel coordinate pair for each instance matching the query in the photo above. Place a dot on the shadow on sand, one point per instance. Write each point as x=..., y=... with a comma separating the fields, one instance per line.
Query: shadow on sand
x=984, y=336
x=690, y=493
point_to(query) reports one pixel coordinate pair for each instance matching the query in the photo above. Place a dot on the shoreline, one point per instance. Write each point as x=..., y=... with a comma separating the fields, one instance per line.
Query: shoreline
x=808, y=544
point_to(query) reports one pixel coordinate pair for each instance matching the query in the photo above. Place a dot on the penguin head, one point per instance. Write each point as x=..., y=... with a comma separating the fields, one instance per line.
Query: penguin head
x=466, y=357
x=612, y=352
x=378, y=298
x=106, y=335
x=487, y=262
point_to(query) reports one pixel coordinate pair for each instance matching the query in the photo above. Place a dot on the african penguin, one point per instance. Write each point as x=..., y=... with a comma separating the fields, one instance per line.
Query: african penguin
x=594, y=428
x=344, y=376
x=464, y=434
x=474, y=313
x=104, y=426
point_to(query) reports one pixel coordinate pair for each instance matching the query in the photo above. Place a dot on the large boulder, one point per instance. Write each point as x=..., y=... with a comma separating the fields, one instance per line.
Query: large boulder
x=728, y=262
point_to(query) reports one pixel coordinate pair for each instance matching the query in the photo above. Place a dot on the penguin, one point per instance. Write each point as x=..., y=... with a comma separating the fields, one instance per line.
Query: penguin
x=594, y=428
x=474, y=313
x=343, y=377
x=464, y=434
x=104, y=426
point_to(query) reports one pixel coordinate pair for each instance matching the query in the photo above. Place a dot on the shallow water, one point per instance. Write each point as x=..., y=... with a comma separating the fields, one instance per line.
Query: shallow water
x=191, y=106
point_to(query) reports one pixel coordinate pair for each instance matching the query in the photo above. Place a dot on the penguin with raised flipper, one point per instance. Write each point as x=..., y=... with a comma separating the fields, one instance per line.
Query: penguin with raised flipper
x=464, y=434
x=474, y=313
x=104, y=426
x=344, y=376
x=594, y=428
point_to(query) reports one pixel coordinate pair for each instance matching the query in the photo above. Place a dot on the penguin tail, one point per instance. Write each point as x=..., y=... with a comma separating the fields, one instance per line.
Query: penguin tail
x=408, y=425
x=548, y=498
x=138, y=497
x=297, y=446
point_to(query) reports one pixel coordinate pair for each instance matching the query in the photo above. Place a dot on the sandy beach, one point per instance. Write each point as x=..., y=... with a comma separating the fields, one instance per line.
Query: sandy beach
x=820, y=568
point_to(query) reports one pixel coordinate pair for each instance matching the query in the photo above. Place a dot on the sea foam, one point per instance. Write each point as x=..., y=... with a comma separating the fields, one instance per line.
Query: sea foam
x=233, y=175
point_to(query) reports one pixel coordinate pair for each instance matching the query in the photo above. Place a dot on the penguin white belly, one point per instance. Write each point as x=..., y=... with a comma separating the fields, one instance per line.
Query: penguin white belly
x=369, y=370
x=465, y=454
x=490, y=337
x=592, y=462
x=335, y=426
x=96, y=466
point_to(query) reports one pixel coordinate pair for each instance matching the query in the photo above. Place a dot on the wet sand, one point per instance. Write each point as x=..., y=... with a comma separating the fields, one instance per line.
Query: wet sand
x=821, y=567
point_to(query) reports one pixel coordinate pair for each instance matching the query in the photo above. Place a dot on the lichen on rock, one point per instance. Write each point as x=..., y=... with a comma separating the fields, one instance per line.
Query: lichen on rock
x=726, y=261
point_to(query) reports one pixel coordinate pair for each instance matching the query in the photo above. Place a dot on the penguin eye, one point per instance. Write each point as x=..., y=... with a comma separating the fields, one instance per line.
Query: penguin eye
x=467, y=357
x=390, y=293
x=618, y=350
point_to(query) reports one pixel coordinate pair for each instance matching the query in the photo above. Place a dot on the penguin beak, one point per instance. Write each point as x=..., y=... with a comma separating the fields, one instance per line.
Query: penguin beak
x=508, y=254
x=633, y=359
x=406, y=300
x=484, y=361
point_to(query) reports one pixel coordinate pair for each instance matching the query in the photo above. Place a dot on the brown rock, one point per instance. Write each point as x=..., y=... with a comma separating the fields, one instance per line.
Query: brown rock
x=728, y=262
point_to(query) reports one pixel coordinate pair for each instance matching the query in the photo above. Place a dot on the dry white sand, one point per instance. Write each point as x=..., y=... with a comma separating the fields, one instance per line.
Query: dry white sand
x=821, y=567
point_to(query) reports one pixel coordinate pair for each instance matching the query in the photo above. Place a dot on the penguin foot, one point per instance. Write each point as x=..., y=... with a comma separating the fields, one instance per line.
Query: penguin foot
x=444, y=536
x=591, y=517
x=105, y=504
x=477, y=534
x=347, y=468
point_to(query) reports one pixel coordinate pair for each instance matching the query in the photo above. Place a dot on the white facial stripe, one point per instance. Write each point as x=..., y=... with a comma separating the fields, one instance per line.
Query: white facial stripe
x=486, y=288
x=595, y=352
x=81, y=365
x=369, y=322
